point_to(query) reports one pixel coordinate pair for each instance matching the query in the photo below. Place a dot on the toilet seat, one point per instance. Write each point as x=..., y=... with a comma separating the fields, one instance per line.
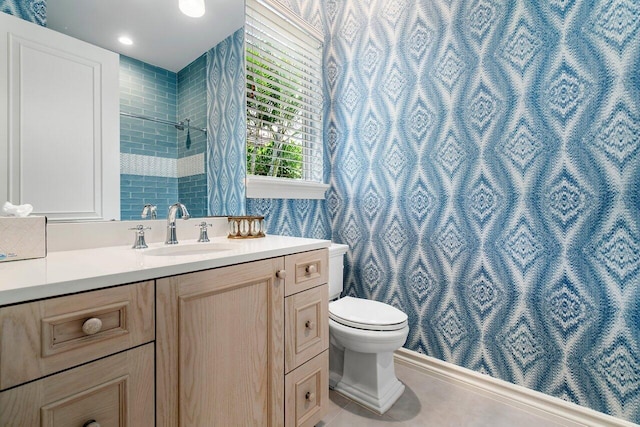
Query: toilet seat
x=367, y=314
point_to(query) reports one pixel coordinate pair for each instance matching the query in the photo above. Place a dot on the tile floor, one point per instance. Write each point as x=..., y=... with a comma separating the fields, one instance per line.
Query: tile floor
x=428, y=401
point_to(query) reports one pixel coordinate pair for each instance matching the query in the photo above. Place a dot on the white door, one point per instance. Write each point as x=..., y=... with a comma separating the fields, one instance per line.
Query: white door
x=59, y=125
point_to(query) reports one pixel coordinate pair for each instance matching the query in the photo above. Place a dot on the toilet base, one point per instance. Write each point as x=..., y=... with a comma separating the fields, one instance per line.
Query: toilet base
x=370, y=379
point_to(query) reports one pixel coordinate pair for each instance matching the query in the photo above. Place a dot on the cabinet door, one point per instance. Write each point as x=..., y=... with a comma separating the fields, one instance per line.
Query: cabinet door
x=49, y=335
x=59, y=123
x=114, y=392
x=307, y=326
x=307, y=392
x=306, y=270
x=219, y=348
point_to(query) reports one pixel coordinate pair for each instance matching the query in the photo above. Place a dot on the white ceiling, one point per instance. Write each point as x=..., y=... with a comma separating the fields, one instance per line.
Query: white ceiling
x=161, y=34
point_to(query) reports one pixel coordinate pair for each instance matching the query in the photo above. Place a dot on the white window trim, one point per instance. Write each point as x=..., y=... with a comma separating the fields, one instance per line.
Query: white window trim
x=295, y=19
x=269, y=187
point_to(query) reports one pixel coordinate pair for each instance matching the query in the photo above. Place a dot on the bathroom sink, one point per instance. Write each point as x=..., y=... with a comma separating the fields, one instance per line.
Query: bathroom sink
x=188, y=249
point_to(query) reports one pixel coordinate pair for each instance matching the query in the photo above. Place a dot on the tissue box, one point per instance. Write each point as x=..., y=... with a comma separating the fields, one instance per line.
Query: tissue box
x=23, y=238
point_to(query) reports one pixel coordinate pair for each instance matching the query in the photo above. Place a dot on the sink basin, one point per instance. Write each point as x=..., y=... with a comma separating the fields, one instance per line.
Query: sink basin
x=188, y=249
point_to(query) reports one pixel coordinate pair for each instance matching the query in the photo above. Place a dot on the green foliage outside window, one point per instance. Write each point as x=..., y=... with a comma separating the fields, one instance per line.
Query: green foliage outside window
x=273, y=115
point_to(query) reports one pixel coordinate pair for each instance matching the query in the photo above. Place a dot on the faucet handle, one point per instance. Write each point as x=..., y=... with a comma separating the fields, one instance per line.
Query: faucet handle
x=140, y=227
x=203, y=231
x=149, y=210
x=139, y=242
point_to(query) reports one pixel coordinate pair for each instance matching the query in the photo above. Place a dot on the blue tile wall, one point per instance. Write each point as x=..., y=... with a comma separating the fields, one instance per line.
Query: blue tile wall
x=485, y=176
x=193, y=193
x=137, y=190
x=151, y=91
x=30, y=10
x=226, y=158
x=192, y=103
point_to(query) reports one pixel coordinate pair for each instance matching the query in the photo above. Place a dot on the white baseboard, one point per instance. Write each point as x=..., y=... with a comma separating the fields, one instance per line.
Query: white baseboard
x=532, y=401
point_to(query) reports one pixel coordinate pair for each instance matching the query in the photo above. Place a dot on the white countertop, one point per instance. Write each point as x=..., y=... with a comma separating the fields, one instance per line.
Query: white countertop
x=65, y=272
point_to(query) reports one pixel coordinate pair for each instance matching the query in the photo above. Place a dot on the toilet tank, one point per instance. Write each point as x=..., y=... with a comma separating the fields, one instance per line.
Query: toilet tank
x=336, y=265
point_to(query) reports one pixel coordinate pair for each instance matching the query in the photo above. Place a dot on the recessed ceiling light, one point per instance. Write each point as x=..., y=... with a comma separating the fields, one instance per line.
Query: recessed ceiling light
x=192, y=8
x=125, y=40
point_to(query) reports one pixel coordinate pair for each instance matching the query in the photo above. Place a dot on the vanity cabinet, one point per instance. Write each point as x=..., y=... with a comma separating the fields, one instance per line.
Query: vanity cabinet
x=226, y=337
x=53, y=369
x=220, y=347
x=242, y=345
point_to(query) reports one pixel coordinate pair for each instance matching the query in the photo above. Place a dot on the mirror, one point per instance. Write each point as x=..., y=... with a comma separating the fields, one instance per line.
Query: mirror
x=165, y=75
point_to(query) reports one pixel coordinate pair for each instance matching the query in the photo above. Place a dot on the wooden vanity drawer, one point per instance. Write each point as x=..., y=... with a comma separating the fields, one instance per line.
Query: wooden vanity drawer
x=307, y=326
x=114, y=391
x=51, y=335
x=306, y=270
x=307, y=392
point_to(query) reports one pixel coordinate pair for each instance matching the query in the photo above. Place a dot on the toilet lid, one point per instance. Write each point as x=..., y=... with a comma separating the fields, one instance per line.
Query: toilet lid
x=367, y=314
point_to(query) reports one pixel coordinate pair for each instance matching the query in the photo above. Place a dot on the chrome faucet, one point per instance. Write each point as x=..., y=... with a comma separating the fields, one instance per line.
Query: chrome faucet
x=139, y=243
x=149, y=210
x=171, y=222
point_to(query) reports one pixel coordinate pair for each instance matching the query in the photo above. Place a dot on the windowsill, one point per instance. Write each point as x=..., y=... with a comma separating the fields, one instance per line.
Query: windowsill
x=266, y=187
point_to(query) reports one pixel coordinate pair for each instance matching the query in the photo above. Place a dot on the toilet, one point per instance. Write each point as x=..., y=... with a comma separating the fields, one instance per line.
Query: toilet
x=363, y=335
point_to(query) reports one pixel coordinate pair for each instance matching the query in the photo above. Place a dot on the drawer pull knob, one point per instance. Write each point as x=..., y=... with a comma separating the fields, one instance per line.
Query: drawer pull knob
x=309, y=324
x=281, y=274
x=311, y=269
x=310, y=397
x=91, y=423
x=90, y=327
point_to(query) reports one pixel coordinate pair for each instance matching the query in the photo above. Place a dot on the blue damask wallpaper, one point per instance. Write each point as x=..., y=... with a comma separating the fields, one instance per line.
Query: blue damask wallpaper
x=30, y=10
x=192, y=104
x=486, y=177
x=226, y=127
x=293, y=217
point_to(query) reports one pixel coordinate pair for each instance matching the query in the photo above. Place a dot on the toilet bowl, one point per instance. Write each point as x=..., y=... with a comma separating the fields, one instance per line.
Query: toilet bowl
x=363, y=336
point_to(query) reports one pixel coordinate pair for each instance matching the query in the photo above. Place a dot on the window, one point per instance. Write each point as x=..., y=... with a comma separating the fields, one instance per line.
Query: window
x=284, y=103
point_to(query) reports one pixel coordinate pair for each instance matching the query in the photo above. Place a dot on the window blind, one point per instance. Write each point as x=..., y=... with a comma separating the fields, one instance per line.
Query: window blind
x=284, y=94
